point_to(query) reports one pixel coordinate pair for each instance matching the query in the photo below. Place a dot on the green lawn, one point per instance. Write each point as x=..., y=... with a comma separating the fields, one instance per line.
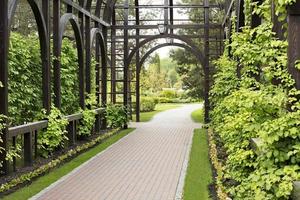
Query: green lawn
x=147, y=116
x=198, y=116
x=199, y=174
x=55, y=174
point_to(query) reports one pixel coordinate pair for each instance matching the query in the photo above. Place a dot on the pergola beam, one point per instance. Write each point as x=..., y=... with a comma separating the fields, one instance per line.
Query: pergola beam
x=175, y=26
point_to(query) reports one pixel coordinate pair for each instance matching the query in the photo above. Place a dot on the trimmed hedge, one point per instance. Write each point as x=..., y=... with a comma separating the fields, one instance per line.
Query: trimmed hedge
x=148, y=104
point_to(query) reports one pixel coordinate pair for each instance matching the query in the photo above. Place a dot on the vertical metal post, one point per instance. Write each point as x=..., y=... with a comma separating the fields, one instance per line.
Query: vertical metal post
x=82, y=71
x=206, y=60
x=46, y=61
x=56, y=53
x=240, y=15
x=256, y=19
x=171, y=15
x=104, y=78
x=126, y=64
x=137, y=64
x=4, y=41
x=277, y=25
x=294, y=40
x=28, y=151
x=166, y=13
x=113, y=58
x=87, y=55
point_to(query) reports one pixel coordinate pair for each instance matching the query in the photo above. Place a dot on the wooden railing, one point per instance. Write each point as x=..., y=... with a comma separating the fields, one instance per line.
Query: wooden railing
x=30, y=132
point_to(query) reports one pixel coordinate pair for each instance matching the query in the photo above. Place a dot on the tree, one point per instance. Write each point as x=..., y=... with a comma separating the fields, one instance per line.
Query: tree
x=190, y=72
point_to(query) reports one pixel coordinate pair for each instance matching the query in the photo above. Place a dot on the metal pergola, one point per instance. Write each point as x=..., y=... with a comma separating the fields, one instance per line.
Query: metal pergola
x=122, y=38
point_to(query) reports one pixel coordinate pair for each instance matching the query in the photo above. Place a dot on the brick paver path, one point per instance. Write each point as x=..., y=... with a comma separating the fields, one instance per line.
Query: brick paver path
x=145, y=165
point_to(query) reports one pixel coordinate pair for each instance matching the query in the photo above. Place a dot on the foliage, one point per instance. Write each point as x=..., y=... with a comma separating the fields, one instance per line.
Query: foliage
x=116, y=116
x=147, y=104
x=13, y=152
x=153, y=80
x=259, y=103
x=55, y=135
x=69, y=78
x=190, y=72
x=168, y=94
x=25, y=79
x=89, y=117
x=217, y=165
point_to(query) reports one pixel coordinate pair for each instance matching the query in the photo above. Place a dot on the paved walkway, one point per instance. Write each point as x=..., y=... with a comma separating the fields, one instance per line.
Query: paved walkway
x=148, y=164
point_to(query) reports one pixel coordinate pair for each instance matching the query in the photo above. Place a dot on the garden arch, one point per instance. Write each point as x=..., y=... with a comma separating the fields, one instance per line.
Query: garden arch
x=190, y=45
x=44, y=45
x=96, y=35
x=99, y=21
x=68, y=17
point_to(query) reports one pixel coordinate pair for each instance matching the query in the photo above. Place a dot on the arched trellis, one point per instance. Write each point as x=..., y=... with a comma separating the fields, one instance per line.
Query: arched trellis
x=93, y=23
x=164, y=36
x=68, y=17
x=44, y=45
x=96, y=35
x=142, y=61
x=202, y=59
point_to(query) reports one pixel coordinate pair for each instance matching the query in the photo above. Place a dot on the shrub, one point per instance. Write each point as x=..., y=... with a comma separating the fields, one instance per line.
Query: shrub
x=116, y=116
x=89, y=116
x=147, y=104
x=171, y=94
x=55, y=135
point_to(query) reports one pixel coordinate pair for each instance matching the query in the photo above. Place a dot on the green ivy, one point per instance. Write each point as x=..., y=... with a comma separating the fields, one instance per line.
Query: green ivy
x=262, y=103
x=89, y=117
x=55, y=135
x=69, y=78
x=25, y=79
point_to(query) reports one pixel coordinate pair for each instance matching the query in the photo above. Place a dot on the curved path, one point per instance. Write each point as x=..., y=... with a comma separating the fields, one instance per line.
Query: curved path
x=148, y=164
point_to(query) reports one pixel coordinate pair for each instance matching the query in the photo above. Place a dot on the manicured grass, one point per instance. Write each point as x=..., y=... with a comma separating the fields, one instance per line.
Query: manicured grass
x=198, y=116
x=147, y=116
x=199, y=174
x=54, y=175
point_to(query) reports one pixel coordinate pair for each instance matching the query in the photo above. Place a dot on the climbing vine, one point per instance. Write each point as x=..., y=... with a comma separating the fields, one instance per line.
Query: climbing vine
x=89, y=117
x=55, y=135
x=261, y=103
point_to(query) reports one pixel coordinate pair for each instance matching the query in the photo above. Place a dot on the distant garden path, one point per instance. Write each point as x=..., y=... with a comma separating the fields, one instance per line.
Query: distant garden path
x=146, y=164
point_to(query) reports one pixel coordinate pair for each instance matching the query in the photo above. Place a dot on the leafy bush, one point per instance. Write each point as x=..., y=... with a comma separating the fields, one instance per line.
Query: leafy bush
x=170, y=94
x=147, y=104
x=69, y=78
x=25, y=79
x=116, y=116
x=89, y=117
x=55, y=135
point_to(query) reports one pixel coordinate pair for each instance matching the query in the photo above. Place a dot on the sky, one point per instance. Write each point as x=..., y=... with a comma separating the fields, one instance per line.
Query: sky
x=164, y=52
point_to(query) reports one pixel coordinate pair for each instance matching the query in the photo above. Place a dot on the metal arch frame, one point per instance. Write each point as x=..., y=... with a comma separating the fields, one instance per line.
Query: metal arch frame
x=44, y=46
x=69, y=17
x=173, y=36
x=82, y=24
x=148, y=53
x=203, y=60
x=96, y=34
x=142, y=61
